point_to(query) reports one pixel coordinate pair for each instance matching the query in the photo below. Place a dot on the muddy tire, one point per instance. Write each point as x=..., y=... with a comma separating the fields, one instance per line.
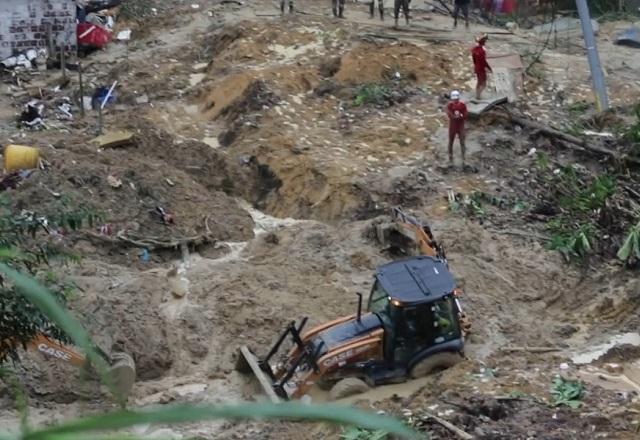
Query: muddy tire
x=325, y=384
x=348, y=387
x=437, y=362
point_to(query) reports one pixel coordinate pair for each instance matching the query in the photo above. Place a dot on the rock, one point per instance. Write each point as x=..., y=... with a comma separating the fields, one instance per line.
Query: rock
x=200, y=67
x=614, y=368
x=400, y=172
x=143, y=99
x=164, y=434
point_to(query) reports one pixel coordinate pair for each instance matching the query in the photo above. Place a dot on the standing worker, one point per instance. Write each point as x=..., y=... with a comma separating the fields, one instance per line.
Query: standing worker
x=461, y=6
x=282, y=2
x=457, y=113
x=404, y=5
x=338, y=8
x=372, y=8
x=480, y=64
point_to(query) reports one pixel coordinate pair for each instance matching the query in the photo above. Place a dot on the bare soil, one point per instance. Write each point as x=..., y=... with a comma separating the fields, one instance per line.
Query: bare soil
x=253, y=140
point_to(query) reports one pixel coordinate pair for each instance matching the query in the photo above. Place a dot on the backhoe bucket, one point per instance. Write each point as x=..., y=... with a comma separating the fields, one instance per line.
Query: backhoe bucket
x=248, y=362
x=122, y=373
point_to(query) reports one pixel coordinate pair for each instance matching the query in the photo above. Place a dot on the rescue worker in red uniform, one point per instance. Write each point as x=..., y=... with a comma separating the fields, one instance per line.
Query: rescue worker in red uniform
x=480, y=64
x=457, y=113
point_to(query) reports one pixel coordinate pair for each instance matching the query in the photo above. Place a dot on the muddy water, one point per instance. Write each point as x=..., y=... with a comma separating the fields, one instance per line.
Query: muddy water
x=597, y=351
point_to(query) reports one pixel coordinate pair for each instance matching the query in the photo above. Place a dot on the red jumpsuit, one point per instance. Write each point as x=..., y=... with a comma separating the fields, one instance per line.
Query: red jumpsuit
x=456, y=121
x=480, y=64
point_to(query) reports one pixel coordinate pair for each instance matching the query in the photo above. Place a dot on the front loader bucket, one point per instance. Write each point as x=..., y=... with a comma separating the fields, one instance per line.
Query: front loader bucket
x=122, y=373
x=248, y=362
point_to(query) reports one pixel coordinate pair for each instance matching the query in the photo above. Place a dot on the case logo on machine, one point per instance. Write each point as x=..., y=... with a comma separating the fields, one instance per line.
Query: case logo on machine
x=53, y=352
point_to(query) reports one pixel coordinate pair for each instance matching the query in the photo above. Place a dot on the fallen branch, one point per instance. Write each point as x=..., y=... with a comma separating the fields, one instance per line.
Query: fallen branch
x=566, y=137
x=450, y=426
x=152, y=243
x=519, y=233
x=531, y=349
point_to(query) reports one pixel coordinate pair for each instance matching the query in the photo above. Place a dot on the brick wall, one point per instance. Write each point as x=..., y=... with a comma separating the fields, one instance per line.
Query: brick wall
x=24, y=24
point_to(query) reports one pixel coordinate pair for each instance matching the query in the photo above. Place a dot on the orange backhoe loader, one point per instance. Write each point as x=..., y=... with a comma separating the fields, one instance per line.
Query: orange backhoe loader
x=413, y=324
x=122, y=370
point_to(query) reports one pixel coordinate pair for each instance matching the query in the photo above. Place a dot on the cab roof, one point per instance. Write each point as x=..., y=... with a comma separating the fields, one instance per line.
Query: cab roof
x=416, y=279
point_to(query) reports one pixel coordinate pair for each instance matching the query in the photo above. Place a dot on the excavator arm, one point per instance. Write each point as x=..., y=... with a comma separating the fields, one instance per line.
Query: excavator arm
x=122, y=369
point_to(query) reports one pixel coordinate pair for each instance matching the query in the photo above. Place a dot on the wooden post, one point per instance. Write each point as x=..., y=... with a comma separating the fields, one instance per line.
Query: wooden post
x=63, y=63
x=99, y=120
x=81, y=89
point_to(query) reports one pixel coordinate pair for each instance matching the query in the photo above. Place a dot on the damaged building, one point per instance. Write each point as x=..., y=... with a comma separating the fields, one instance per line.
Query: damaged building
x=34, y=24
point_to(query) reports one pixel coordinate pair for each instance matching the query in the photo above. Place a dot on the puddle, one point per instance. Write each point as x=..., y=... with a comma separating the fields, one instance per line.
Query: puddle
x=599, y=350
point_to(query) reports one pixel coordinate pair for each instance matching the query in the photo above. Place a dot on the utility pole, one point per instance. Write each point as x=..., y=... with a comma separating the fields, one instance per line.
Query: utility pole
x=597, y=76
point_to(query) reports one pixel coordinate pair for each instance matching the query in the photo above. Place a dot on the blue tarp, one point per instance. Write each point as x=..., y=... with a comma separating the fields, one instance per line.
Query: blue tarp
x=630, y=37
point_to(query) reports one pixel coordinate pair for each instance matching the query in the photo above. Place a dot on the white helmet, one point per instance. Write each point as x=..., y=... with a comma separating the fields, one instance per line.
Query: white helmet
x=455, y=95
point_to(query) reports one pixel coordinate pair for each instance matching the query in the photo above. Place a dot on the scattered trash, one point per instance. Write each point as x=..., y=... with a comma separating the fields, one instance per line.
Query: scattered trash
x=33, y=115
x=144, y=256
x=106, y=229
x=93, y=36
x=143, y=99
x=114, y=182
x=124, y=35
x=65, y=110
x=165, y=217
x=630, y=37
x=20, y=157
x=30, y=59
x=169, y=182
x=597, y=133
x=195, y=6
x=103, y=96
x=114, y=139
x=10, y=181
x=564, y=366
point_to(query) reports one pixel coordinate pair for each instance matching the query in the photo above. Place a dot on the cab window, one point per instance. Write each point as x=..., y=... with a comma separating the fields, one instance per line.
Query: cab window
x=379, y=299
x=445, y=320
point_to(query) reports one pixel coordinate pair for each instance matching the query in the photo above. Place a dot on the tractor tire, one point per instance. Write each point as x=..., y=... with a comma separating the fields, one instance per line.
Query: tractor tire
x=437, y=362
x=348, y=387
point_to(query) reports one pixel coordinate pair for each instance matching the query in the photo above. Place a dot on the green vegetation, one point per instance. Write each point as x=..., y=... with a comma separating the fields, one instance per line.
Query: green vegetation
x=632, y=133
x=567, y=392
x=630, y=250
x=574, y=229
x=47, y=304
x=28, y=242
x=372, y=93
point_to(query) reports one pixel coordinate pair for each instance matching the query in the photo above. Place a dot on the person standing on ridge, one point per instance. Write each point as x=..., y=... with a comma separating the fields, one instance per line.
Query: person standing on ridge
x=372, y=8
x=480, y=64
x=282, y=4
x=457, y=113
x=461, y=6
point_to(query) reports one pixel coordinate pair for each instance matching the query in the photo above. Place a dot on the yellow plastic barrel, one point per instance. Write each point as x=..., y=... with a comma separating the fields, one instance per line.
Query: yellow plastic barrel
x=20, y=157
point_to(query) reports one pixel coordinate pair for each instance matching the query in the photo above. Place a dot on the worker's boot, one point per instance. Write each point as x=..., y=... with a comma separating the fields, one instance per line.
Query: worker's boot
x=335, y=11
x=381, y=11
x=291, y=7
x=341, y=11
x=371, y=10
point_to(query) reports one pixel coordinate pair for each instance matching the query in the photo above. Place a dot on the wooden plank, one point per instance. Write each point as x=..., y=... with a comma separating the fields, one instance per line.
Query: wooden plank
x=262, y=378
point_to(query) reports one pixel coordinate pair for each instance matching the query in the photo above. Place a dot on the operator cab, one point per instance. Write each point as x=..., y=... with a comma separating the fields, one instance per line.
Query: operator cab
x=415, y=300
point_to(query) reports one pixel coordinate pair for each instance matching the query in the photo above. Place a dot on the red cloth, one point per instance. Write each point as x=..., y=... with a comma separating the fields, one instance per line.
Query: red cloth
x=456, y=124
x=479, y=56
x=482, y=77
x=92, y=35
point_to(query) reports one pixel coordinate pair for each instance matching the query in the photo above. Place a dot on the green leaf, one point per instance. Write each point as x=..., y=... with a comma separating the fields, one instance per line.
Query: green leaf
x=189, y=414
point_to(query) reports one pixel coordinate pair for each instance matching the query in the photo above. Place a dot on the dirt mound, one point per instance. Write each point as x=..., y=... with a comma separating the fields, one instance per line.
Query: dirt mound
x=374, y=62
